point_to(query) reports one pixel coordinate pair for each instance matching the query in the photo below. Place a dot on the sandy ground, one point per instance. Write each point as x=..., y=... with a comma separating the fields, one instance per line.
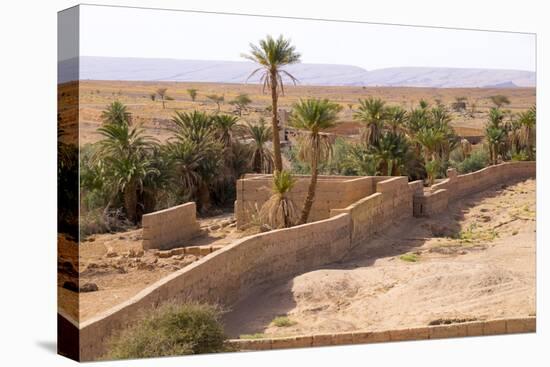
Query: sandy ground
x=120, y=268
x=94, y=96
x=475, y=262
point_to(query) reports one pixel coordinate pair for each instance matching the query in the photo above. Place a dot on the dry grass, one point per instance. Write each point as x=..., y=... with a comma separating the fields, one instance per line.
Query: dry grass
x=95, y=95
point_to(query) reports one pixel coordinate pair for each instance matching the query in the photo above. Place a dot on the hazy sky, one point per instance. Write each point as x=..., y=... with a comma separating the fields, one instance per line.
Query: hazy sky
x=127, y=32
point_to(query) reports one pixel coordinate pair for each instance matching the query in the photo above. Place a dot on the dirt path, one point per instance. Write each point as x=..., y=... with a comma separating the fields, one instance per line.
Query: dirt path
x=475, y=262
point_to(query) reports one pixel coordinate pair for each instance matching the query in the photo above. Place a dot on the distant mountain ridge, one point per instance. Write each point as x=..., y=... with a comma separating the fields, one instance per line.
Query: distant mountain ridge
x=143, y=69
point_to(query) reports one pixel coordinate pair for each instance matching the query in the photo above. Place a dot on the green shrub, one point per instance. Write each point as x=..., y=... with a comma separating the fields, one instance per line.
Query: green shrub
x=283, y=321
x=172, y=330
x=409, y=257
x=477, y=160
x=520, y=156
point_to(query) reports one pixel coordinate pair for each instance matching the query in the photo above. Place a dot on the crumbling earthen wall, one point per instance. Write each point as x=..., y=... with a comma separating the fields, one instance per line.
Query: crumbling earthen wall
x=435, y=199
x=170, y=227
x=331, y=192
x=228, y=274
x=392, y=202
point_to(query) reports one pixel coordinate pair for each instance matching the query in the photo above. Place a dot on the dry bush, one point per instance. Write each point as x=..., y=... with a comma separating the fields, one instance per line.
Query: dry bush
x=172, y=329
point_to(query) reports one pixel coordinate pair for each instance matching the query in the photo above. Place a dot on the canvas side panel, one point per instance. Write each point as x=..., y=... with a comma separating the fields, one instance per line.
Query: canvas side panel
x=67, y=183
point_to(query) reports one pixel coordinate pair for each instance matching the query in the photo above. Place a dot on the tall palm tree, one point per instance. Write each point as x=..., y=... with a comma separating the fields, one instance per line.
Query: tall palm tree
x=124, y=150
x=372, y=113
x=312, y=116
x=262, y=158
x=272, y=55
x=116, y=113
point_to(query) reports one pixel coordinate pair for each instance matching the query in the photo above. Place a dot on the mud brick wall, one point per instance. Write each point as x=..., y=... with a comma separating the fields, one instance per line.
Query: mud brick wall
x=435, y=199
x=168, y=228
x=392, y=202
x=331, y=192
x=228, y=274
x=474, y=328
x=430, y=203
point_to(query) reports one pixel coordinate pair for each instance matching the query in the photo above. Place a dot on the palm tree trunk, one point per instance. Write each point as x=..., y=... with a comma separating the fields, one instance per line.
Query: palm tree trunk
x=130, y=202
x=203, y=199
x=308, y=203
x=275, y=123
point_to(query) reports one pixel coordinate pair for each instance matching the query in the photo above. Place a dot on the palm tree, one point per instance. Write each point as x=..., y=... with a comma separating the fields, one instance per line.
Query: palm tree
x=262, y=158
x=397, y=118
x=116, y=113
x=272, y=55
x=495, y=138
x=279, y=211
x=392, y=150
x=192, y=93
x=360, y=161
x=312, y=116
x=197, y=154
x=430, y=139
x=372, y=114
x=225, y=125
x=162, y=94
x=496, y=117
x=124, y=150
x=527, y=121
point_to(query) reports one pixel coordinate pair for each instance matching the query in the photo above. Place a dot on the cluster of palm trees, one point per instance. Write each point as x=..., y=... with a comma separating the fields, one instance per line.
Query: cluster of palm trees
x=201, y=161
x=511, y=139
x=207, y=153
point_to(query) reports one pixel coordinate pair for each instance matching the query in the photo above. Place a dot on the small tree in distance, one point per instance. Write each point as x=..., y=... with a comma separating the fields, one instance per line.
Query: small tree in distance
x=192, y=93
x=241, y=102
x=162, y=94
x=217, y=99
x=499, y=100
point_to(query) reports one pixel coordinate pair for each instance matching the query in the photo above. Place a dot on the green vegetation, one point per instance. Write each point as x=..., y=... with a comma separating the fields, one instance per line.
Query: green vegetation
x=410, y=257
x=476, y=161
x=162, y=94
x=311, y=117
x=127, y=173
x=171, y=330
x=262, y=158
x=474, y=235
x=283, y=321
x=272, y=55
x=241, y=103
x=279, y=211
x=192, y=93
x=217, y=99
